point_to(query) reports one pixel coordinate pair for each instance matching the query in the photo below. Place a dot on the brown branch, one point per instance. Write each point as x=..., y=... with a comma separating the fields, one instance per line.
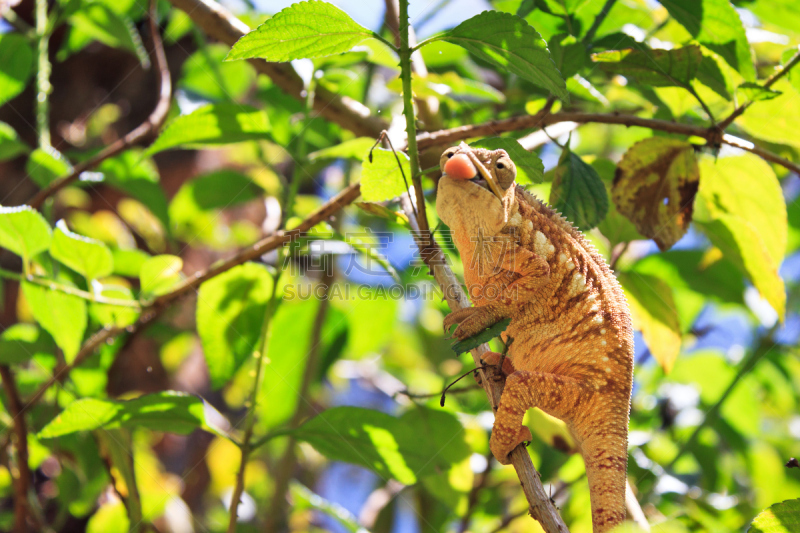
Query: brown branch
x=344, y=198
x=540, y=507
x=795, y=59
x=23, y=477
x=143, y=131
x=542, y=119
x=221, y=24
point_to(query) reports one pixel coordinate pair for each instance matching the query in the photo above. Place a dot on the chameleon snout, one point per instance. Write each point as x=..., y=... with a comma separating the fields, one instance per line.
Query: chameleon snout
x=460, y=167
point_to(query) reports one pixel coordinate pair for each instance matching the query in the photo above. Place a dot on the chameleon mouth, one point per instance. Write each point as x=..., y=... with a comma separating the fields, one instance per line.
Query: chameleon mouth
x=488, y=181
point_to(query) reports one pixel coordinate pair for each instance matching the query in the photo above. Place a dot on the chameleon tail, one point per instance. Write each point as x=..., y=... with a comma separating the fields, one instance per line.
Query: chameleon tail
x=606, y=458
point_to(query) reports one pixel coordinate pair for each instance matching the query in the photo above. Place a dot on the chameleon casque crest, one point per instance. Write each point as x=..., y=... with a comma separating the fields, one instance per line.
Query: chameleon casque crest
x=572, y=349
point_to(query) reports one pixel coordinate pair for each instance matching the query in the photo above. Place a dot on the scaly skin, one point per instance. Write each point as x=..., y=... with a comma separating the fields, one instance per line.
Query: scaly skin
x=572, y=350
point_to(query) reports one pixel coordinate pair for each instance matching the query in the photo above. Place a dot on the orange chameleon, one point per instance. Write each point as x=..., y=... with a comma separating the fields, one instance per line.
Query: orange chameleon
x=572, y=350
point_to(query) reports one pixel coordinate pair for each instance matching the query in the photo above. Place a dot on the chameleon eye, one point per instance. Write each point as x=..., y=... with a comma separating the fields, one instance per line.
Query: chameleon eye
x=500, y=165
x=450, y=154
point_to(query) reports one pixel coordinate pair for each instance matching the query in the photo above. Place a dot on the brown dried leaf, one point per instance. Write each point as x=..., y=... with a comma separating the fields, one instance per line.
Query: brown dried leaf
x=654, y=187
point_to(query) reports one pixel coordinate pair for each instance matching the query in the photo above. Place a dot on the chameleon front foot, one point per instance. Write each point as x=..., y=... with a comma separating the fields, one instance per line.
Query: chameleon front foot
x=471, y=321
x=504, y=441
x=456, y=317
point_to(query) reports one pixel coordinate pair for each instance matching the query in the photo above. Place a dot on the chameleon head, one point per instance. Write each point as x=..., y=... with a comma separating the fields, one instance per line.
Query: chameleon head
x=476, y=191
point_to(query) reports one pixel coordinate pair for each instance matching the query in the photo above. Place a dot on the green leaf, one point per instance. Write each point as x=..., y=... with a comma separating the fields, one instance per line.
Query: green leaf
x=511, y=44
x=710, y=75
x=782, y=517
x=794, y=74
x=753, y=92
x=62, y=315
x=357, y=148
x=97, y=21
x=128, y=263
x=578, y=193
x=24, y=231
x=655, y=186
x=389, y=446
x=716, y=25
x=159, y=274
x=10, y=144
x=170, y=411
x=137, y=176
x=21, y=342
x=46, y=166
x=654, y=313
x=658, y=68
x=530, y=168
x=230, y=312
x=381, y=178
x=86, y=256
x=221, y=189
x=214, y=124
x=288, y=347
x=484, y=336
x=303, y=30
x=195, y=208
x=774, y=120
x=205, y=75
x=568, y=54
x=113, y=315
x=16, y=65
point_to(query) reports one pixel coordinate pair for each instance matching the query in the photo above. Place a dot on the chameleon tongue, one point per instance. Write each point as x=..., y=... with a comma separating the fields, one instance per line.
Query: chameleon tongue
x=459, y=167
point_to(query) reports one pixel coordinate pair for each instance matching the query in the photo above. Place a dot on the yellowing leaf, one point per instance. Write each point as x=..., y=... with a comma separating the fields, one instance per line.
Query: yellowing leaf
x=745, y=186
x=654, y=314
x=782, y=517
x=774, y=120
x=655, y=186
x=740, y=207
x=742, y=245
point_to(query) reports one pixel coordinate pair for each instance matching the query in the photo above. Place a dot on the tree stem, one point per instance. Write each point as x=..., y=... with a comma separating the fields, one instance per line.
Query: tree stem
x=43, y=87
x=408, y=111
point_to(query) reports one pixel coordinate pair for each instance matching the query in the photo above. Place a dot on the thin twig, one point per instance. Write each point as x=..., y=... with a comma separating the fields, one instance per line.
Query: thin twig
x=616, y=253
x=767, y=84
x=42, y=282
x=415, y=396
x=23, y=474
x=143, y=131
x=539, y=503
